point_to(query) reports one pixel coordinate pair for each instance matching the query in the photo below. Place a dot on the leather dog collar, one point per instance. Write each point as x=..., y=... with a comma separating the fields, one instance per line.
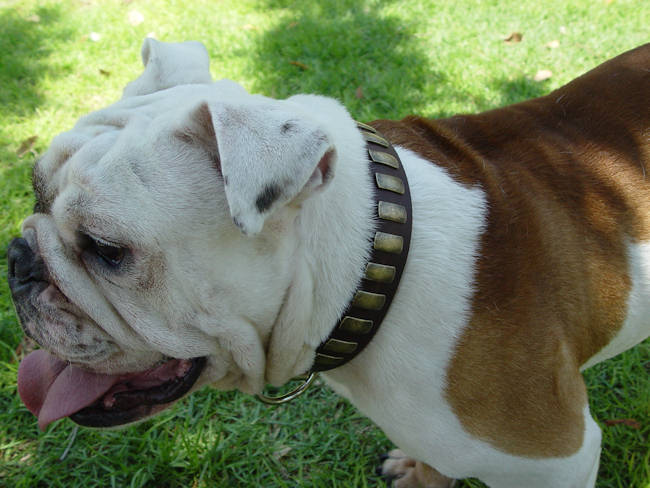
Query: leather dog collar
x=390, y=246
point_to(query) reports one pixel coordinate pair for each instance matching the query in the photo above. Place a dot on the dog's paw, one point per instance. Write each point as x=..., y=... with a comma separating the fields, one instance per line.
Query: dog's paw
x=406, y=472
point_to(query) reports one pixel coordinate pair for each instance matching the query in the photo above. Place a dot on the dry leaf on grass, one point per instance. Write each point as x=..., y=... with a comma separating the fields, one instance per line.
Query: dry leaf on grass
x=359, y=92
x=280, y=453
x=299, y=64
x=513, y=38
x=542, y=75
x=629, y=422
x=26, y=146
x=104, y=72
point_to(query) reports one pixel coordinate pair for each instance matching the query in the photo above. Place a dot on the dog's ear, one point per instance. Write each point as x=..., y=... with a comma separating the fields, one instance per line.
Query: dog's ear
x=168, y=64
x=268, y=156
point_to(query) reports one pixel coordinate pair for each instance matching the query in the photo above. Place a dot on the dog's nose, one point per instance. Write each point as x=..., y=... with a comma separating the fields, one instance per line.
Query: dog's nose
x=24, y=265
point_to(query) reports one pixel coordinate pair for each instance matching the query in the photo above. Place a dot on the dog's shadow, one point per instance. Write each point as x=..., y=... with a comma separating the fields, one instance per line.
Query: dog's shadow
x=27, y=43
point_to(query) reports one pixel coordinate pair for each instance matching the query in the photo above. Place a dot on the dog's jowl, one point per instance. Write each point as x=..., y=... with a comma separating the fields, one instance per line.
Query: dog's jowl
x=451, y=277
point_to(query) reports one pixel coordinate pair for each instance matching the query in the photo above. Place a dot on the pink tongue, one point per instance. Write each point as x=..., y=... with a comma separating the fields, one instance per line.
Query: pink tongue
x=52, y=389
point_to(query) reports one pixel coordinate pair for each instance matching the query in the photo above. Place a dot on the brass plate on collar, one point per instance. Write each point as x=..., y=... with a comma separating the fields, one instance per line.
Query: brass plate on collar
x=392, y=211
x=363, y=126
x=372, y=137
x=327, y=360
x=368, y=301
x=388, y=243
x=380, y=272
x=390, y=183
x=354, y=325
x=338, y=346
x=382, y=157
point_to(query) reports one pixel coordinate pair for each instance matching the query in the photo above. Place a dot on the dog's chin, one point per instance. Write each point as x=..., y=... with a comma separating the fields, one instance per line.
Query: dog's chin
x=125, y=403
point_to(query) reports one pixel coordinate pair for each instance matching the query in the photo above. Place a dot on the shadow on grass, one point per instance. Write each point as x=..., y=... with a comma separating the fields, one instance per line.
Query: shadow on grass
x=26, y=43
x=372, y=63
x=518, y=90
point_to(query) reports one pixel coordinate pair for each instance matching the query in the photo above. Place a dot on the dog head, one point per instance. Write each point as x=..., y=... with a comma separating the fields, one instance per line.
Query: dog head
x=159, y=252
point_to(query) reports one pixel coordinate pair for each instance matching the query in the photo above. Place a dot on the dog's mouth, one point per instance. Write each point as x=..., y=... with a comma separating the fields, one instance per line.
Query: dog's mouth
x=52, y=389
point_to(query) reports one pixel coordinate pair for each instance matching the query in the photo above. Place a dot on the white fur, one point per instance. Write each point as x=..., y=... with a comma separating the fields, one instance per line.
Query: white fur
x=170, y=64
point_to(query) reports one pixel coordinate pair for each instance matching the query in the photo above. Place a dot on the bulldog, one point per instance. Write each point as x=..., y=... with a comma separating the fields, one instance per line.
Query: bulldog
x=193, y=234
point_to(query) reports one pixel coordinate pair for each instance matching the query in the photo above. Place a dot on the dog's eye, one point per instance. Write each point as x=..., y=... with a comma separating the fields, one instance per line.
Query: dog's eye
x=111, y=254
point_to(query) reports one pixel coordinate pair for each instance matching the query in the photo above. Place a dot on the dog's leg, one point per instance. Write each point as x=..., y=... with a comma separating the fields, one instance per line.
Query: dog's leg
x=578, y=470
x=502, y=470
x=592, y=431
x=409, y=473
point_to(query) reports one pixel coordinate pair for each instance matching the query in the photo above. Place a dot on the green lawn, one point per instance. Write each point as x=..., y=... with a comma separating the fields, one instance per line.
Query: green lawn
x=387, y=58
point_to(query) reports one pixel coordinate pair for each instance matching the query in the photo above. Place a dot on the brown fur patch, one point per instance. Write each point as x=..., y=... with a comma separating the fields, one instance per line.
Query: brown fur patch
x=566, y=181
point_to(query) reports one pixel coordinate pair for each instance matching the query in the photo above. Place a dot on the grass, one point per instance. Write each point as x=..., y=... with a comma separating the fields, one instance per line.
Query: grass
x=382, y=59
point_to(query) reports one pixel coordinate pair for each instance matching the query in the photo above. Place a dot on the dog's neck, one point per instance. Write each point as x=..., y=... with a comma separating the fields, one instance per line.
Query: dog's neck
x=332, y=263
x=383, y=271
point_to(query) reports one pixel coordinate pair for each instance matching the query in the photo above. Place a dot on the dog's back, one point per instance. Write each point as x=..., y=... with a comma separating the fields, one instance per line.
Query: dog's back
x=566, y=177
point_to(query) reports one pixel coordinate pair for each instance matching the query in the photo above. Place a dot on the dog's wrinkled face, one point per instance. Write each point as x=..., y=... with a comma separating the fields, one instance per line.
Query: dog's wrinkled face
x=159, y=252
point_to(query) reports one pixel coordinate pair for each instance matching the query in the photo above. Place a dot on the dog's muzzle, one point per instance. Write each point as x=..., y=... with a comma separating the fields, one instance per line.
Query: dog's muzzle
x=27, y=275
x=25, y=267
x=52, y=388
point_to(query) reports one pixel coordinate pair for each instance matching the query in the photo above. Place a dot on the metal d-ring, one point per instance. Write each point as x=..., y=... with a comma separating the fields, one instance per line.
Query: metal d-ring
x=306, y=379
